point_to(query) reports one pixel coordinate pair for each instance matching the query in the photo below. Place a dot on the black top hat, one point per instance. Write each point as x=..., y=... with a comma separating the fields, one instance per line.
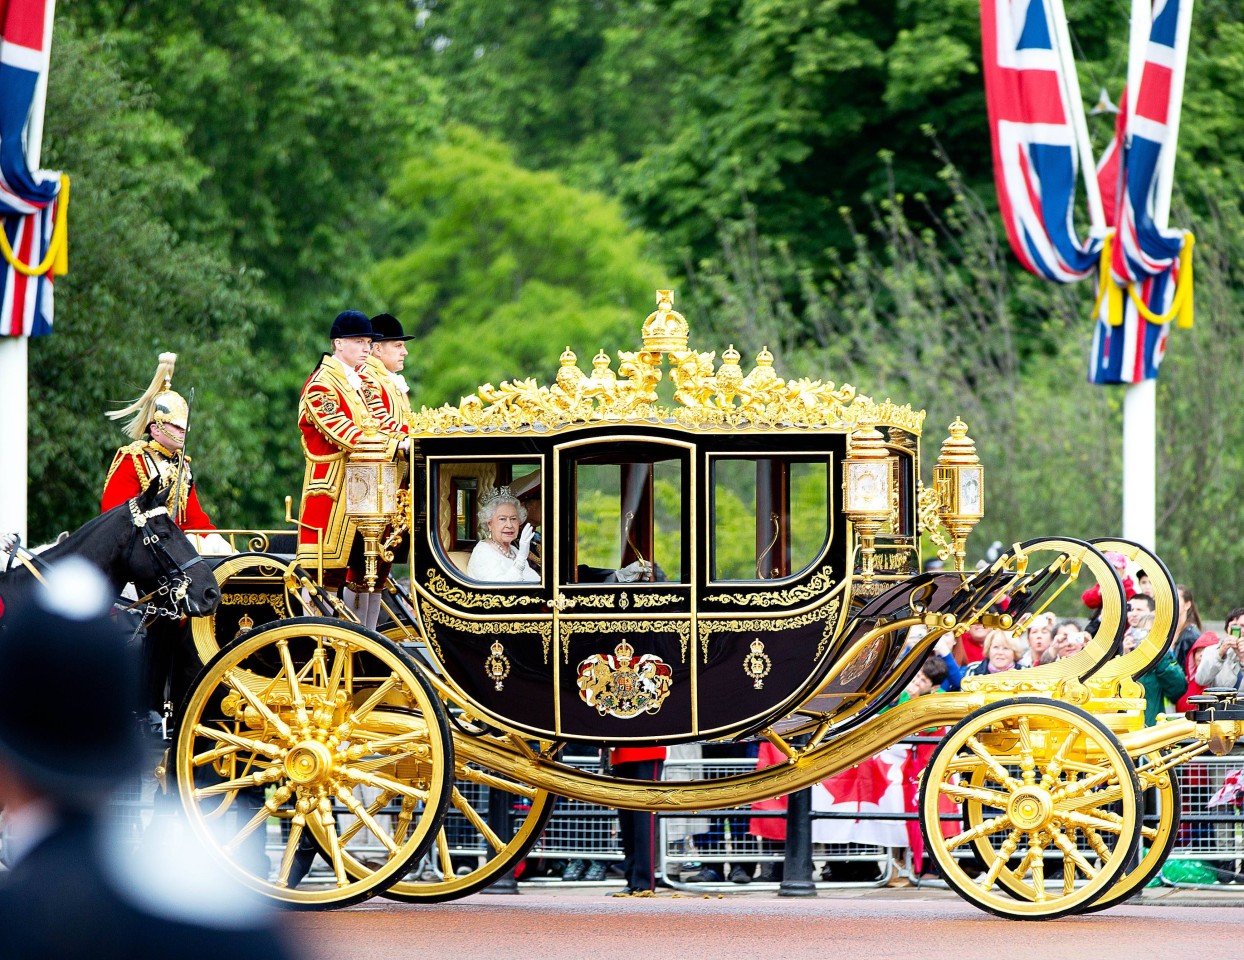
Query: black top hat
x=388, y=327
x=69, y=689
x=351, y=323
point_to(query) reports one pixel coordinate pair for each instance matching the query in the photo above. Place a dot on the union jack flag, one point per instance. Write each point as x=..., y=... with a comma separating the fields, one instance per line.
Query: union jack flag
x=1035, y=160
x=1145, y=257
x=28, y=198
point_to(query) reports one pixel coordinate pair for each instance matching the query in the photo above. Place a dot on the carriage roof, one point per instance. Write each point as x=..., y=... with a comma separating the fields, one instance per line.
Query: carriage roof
x=706, y=396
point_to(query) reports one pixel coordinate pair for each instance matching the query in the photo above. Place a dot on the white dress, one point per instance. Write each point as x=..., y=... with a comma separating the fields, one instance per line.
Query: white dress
x=487, y=563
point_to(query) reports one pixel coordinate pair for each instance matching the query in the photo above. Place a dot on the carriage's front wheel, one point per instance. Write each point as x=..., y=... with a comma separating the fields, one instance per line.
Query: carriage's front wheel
x=1050, y=803
x=309, y=736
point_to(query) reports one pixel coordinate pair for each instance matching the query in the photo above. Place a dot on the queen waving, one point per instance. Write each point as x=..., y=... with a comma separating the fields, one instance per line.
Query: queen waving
x=497, y=558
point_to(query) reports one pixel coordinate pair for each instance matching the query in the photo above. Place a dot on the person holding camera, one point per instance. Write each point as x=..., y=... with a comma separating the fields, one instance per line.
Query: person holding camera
x=1220, y=664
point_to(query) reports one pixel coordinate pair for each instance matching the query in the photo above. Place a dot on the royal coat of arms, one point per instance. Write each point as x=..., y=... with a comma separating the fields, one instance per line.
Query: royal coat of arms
x=621, y=685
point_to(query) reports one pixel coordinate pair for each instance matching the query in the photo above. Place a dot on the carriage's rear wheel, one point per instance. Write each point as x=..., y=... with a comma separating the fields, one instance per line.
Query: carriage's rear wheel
x=1033, y=775
x=309, y=735
x=1161, y=795
x=466, y=828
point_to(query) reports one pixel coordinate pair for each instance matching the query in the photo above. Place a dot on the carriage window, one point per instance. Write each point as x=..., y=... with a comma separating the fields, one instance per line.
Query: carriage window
x=460, y=487
x=770, y=516
x=628, y=520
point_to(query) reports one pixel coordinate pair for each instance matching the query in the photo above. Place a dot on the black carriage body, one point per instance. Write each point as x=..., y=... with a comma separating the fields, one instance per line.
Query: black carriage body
x=737, y=646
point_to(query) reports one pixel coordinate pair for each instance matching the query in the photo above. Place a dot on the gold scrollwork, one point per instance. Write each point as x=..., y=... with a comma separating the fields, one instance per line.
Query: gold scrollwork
x=654, y=599
x=929, y=502
x=432, y=615
x=596, y=601
x=274, y=600
x=439, y=587
x=828, y=613
x=571, y=627
x=817, y=586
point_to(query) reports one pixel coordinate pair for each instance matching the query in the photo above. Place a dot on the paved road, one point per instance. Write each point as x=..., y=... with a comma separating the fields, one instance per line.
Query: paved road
x=548, y=927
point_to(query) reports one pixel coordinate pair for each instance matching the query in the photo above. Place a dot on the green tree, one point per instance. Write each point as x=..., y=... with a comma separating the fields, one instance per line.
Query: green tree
x=502, y=267
x=135, y=288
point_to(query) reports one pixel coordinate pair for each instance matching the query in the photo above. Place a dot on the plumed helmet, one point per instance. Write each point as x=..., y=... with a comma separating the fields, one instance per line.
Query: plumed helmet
x=160, y=403
x=60, y=641
x=351, y=323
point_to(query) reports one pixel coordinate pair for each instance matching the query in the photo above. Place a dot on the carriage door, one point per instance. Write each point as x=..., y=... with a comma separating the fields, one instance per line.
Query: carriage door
x=622, y=598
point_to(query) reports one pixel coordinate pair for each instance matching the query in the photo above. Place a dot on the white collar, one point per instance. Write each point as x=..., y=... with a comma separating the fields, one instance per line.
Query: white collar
x=351, y=375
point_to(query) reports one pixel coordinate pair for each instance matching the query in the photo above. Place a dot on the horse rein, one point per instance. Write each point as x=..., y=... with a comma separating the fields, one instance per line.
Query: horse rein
x=173, y=584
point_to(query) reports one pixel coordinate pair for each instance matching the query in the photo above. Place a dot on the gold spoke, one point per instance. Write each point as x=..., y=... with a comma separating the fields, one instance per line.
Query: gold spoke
x=442, y=850
x=1054, y=769
x=277, y=724
x=383, y=783
x=1099, y=845
x=1009, y=846
x=291, y=843
x=1086, y=822
x=364, y=817
x=404, y=818
x=291, y=680
x=373, y=808
x=334, y=678
x=983, y=829
x=366, y=745
x=269, y=808
x=1037, y=852
x=259, y=778
x=998, y=771
x=1070, y=853
x=328, y=823
x=477, y=821
x=373, y=701
x=961, y=792
x=1027, y=762
x=237, y=741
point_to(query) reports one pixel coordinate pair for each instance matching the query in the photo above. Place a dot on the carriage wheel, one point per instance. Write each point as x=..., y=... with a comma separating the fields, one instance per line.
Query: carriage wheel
x=1033, y=775
x=284, y=729
x=467, y=817
x=1161, y=790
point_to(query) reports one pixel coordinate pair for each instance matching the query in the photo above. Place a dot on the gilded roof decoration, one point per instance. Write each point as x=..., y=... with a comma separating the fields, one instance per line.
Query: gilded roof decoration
x=706, y=394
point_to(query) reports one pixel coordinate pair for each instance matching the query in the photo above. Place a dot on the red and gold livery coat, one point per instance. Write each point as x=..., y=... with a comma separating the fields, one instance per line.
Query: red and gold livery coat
x=331, y=415
x=133, y=469
x=385, y=401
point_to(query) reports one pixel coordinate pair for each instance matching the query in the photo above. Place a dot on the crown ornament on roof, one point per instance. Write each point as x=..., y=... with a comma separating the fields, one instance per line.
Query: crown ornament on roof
x=665, y=330
x=707, y=395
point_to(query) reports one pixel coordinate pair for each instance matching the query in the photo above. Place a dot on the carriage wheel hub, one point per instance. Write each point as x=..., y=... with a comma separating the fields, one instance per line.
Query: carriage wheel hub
x=1030, y=808
x=308, y=762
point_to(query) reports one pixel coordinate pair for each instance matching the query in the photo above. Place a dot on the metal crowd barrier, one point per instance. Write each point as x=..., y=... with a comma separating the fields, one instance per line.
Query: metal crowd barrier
x=687, y=843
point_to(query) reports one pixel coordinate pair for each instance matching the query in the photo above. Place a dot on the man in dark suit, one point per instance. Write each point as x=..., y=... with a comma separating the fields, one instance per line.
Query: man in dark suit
x=69, y=690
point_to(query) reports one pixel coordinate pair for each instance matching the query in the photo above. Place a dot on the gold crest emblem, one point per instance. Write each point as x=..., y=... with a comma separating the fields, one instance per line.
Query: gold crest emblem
x=757, y=664
x=620, y=685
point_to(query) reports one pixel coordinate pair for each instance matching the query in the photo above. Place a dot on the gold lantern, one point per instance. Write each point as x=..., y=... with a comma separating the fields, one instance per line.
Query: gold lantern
x=959, y=479
x=868, y=491
x=371, y=492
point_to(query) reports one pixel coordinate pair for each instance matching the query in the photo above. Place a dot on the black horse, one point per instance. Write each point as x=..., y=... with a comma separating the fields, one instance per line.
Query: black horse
x=136, y=542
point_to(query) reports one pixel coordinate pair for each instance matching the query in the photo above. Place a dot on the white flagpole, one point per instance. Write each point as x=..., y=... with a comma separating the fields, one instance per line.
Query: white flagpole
x=14, y=351
x=1079, y=122
x=1140, y=400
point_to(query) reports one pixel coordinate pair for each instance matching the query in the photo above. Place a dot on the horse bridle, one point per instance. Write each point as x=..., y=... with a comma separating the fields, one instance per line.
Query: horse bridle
x=173, y=583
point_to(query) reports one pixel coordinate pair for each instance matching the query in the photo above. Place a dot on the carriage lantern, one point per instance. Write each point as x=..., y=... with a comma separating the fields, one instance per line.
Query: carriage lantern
x=868, y=490
x=959, y=478
x=371, y=496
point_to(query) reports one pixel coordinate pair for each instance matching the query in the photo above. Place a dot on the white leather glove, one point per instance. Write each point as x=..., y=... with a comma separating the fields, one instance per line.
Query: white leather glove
x=214, y=545
x=524, y=543
x=639, y=570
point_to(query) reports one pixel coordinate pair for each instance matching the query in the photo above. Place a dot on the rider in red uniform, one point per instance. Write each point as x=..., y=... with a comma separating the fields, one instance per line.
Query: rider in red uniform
x=158, y=426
